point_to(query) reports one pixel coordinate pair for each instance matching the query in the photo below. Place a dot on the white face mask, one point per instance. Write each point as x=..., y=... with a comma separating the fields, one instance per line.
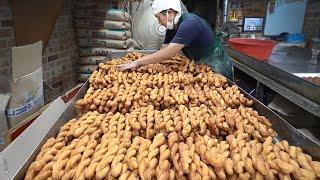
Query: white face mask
x=170, y=25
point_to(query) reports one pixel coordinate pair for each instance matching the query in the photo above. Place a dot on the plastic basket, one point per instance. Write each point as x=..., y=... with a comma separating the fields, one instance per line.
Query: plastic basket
x=256, y=48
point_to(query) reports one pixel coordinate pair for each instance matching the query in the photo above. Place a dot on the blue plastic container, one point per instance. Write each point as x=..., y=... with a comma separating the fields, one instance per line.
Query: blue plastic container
x=294, y=38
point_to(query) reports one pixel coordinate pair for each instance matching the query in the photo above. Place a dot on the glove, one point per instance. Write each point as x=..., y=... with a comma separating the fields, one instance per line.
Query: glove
x=128, y=66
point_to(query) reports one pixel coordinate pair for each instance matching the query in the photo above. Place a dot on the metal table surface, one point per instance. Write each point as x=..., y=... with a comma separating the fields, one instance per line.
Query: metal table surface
x=278, y=74
x=292, y=60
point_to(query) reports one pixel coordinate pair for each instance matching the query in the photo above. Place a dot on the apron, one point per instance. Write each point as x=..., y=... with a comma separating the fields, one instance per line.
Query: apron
x=213, y=55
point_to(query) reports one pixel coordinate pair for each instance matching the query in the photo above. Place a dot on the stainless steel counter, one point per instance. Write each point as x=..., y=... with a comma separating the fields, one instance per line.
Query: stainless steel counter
x=292, y=60
x=278, y=73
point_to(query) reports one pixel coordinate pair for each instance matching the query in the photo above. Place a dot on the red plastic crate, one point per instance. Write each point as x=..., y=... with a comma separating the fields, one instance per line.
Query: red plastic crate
x=256, y=48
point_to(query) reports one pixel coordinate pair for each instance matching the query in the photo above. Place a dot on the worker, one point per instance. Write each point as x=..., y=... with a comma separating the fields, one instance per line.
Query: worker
x=189, y=33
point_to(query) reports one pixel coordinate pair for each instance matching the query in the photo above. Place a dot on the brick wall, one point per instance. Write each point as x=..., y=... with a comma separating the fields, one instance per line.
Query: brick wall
x=60, y=55
x=311, y=26
x=7, y=40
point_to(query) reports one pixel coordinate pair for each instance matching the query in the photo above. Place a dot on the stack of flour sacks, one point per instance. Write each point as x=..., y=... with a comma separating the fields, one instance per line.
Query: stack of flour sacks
x=100, y=31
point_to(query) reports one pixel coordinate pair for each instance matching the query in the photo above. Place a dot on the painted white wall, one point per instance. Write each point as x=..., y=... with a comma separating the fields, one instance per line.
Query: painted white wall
x=288, y=16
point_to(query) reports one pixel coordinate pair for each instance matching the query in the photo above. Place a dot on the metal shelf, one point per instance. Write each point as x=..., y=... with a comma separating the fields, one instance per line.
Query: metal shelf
x=302, y=93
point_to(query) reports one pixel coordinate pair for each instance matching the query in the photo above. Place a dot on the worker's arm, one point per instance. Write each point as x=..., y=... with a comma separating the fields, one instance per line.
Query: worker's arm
x=163, y=54
x=163, y=46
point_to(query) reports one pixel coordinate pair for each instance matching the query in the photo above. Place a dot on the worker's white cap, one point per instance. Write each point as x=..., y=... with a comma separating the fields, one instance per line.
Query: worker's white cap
x=161, y=5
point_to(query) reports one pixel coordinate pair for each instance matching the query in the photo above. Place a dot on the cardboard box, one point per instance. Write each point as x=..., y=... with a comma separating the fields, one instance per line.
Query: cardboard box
x=26, y=86
x=15, y=155
x=4, y=99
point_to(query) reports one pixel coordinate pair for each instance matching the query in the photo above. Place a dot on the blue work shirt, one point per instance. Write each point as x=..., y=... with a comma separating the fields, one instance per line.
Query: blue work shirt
x=195, y=33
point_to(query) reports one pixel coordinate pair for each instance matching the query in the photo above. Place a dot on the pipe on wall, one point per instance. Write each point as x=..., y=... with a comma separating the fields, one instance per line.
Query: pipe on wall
x=225, y=11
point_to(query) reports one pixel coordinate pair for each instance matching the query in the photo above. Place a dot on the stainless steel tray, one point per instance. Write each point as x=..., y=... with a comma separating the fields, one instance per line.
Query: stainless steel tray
x=281, y=67
x=17, y=170
x=305, y=75
x=302, y=75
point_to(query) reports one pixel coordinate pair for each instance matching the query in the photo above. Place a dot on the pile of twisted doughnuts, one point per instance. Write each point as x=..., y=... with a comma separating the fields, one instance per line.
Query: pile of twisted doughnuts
x=173, y=120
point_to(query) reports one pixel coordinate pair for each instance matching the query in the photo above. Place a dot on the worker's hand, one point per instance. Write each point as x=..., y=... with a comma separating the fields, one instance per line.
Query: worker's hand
x=128, y=66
